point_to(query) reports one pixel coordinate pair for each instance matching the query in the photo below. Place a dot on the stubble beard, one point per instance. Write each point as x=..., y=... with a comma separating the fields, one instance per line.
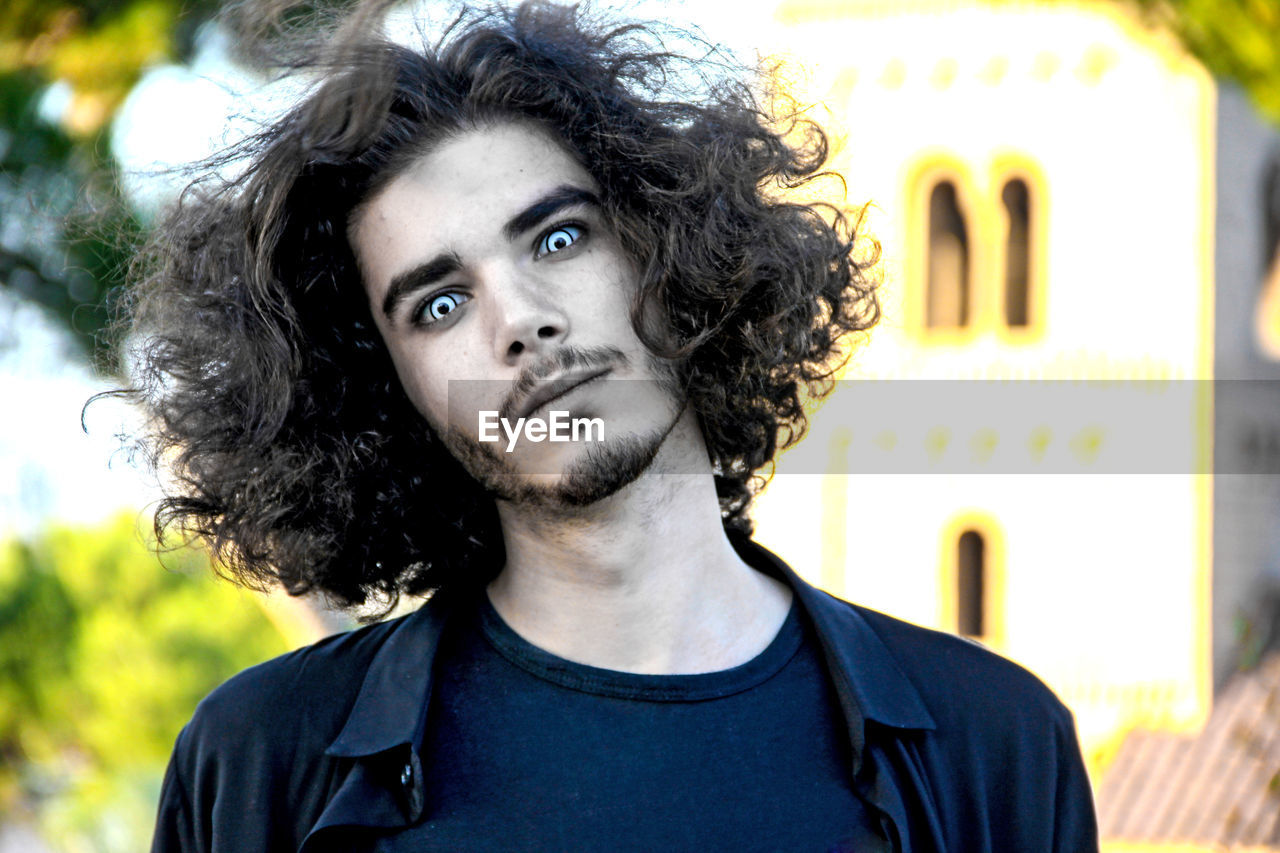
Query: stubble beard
x=602, y=470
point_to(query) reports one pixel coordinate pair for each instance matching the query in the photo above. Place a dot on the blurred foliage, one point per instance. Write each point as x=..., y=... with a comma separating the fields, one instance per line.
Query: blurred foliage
x=96, y=49
x=103, y=657
x=66, y=233
x=1238, y=40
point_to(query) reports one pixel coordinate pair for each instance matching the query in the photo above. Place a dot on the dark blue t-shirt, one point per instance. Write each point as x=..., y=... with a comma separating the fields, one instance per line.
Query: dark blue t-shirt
x=527, y=751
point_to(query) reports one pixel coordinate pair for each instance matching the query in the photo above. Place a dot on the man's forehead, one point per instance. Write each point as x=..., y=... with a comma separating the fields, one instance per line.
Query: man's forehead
x=500, y=158
x=484, y=173
x=465, y=191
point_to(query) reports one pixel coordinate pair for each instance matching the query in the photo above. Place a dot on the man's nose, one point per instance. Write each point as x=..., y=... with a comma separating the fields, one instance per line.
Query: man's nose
x=529, y=318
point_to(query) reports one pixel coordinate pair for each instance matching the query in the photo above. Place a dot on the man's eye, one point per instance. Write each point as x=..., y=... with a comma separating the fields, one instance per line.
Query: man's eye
x=559, y=239
x=437, y=307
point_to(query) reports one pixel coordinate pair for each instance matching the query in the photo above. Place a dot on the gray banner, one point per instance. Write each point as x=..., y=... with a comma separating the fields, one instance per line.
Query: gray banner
x=951, y=426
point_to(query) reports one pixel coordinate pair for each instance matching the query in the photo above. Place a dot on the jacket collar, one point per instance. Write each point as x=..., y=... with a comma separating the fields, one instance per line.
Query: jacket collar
x=388, y=713
x=870, y=683
x=383, y=730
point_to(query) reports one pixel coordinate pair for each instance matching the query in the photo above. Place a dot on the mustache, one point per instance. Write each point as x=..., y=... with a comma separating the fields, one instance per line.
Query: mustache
x=559, y=361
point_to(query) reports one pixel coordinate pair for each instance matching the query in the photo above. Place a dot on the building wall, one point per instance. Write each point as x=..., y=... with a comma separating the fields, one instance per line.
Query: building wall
x=1246, y=539
x=1101, y=567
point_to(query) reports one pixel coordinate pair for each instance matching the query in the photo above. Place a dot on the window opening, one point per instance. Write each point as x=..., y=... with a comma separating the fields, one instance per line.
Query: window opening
x=970, y=584
x=1271, y=214
x=947, y=303
x=1267, y=310
x=1017, y=266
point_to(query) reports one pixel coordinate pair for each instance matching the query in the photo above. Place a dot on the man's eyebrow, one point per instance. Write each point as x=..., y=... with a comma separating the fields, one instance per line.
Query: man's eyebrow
x=558, y=199
x=419, y=277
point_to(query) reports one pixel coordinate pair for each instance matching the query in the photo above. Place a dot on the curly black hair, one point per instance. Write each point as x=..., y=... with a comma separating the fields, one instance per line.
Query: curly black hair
x=292, y=448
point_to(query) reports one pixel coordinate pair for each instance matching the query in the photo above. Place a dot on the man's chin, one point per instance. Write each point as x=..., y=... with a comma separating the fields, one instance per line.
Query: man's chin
x=605, y=469
x=599, y=471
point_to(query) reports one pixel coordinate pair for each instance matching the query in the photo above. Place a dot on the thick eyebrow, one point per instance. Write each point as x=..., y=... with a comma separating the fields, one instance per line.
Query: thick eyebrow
x=417, y=278
x=553, y=202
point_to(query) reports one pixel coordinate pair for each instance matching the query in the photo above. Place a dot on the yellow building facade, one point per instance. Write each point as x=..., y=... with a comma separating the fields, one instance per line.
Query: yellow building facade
x=1024, y=450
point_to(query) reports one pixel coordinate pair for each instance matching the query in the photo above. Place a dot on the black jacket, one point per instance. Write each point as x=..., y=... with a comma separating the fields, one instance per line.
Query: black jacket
x=959, y=749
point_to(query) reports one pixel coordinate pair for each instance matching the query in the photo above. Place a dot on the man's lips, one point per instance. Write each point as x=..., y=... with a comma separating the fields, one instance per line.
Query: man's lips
x=548, y=391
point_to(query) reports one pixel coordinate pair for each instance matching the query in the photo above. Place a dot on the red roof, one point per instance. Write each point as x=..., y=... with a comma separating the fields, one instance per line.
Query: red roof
x=1219, y=787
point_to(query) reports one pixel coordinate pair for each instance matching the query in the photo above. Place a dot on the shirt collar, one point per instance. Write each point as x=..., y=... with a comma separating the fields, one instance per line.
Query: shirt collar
x=388, y=712
x=871, y=684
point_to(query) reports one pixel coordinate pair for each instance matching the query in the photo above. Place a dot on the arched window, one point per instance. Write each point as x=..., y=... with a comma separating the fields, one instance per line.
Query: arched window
x=1271, y=214
x=971, y=590
x=971, y=582
x=947, y=302
x=1267, y=312
x=1017, y=254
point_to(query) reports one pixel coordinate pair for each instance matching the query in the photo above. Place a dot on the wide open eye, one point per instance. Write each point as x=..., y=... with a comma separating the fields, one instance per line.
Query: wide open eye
x=558, y=239
x=439, y=306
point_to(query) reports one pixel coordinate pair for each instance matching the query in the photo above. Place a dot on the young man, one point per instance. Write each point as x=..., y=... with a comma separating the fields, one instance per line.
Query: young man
x=439, y=248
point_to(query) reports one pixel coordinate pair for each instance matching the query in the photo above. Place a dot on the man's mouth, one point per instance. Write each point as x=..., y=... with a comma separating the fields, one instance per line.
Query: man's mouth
x=548, y=391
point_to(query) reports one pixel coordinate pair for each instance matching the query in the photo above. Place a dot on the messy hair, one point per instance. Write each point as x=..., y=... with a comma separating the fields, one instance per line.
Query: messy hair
x=290, y=445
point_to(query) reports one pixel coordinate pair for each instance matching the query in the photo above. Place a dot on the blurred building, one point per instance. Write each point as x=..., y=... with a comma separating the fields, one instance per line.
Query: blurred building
x=1062, y=195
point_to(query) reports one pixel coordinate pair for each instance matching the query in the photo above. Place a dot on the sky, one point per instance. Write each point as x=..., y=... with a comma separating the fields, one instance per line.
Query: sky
x=50, y=467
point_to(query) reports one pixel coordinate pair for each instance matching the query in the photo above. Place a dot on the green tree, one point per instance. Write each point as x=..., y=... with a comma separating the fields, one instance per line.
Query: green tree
x=66, y=234
x=103, y=656
x=1237, y=40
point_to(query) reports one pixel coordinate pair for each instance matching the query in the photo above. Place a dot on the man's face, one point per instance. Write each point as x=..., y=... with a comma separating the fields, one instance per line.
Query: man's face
x=497, y=288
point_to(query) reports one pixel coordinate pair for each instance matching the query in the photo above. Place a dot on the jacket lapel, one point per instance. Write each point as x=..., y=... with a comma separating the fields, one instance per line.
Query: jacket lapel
x=380, y=742
x=885, y=715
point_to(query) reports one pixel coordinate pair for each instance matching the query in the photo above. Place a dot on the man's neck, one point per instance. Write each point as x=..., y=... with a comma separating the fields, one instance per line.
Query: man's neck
x=644, y=581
